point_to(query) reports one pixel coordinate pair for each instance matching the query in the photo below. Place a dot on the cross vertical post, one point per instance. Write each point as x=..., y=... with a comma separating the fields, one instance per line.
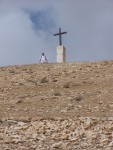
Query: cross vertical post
x=60, y=38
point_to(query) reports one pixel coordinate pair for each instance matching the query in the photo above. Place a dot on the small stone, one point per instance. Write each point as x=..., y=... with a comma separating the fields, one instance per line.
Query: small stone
x=36, y=118
x=18, y=101
x=64, y=137
x=104, y=140
x=63, y=111
x=101, y=102
x=111, y=144
x=110, y=118
x=56, y=145
x=111, y=106
x=21, y=123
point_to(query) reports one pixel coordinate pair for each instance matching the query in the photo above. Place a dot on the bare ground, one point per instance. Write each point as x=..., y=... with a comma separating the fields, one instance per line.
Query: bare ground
x=59, y=90
x=67, y=106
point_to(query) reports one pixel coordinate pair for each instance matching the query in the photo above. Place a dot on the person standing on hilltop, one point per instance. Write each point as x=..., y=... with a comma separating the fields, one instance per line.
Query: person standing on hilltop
x=43, y=59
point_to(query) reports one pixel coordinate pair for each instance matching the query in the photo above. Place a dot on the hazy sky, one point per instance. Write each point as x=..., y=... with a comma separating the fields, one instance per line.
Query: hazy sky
x=27, y=28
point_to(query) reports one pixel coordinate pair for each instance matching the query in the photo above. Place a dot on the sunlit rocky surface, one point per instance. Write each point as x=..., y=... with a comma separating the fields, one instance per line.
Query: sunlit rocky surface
x=67, y=106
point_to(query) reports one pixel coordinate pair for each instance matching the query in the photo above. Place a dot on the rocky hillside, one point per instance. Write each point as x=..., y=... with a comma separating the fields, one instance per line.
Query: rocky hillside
x=64, y=106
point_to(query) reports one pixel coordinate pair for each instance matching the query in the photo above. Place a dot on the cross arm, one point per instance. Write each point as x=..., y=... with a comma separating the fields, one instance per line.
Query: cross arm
x=56, y=34
x=60, y=33
x=64, y=32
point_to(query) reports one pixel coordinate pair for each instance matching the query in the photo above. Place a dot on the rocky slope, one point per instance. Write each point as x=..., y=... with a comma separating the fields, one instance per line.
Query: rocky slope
x=64, y=106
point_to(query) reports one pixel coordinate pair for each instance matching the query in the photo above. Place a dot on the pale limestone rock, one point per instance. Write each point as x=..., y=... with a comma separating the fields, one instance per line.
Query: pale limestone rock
x=68, y=133
x=57, y=145
x=88, y=123
x=104, y=141
x=64, y=137
x=75, y=140
x=89, y=134
x=21, y=123
x=110, y=118
x=36, y=118
x=83, y=145
x=110, y=144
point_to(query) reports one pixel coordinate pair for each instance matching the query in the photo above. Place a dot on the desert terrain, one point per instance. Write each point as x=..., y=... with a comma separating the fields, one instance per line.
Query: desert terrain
x=57, y=106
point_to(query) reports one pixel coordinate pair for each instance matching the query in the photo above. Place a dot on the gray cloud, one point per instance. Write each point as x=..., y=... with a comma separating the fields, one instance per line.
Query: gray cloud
x=24, y=35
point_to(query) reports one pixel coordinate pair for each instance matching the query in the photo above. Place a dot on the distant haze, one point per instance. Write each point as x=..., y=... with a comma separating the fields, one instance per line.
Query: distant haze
x=27, y=28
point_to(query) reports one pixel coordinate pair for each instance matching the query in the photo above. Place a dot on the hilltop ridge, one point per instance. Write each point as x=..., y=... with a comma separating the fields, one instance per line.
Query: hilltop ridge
x=57, y=90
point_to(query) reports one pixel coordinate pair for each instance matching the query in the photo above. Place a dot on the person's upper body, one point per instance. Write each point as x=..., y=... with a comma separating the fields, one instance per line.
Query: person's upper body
x=43, y=59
